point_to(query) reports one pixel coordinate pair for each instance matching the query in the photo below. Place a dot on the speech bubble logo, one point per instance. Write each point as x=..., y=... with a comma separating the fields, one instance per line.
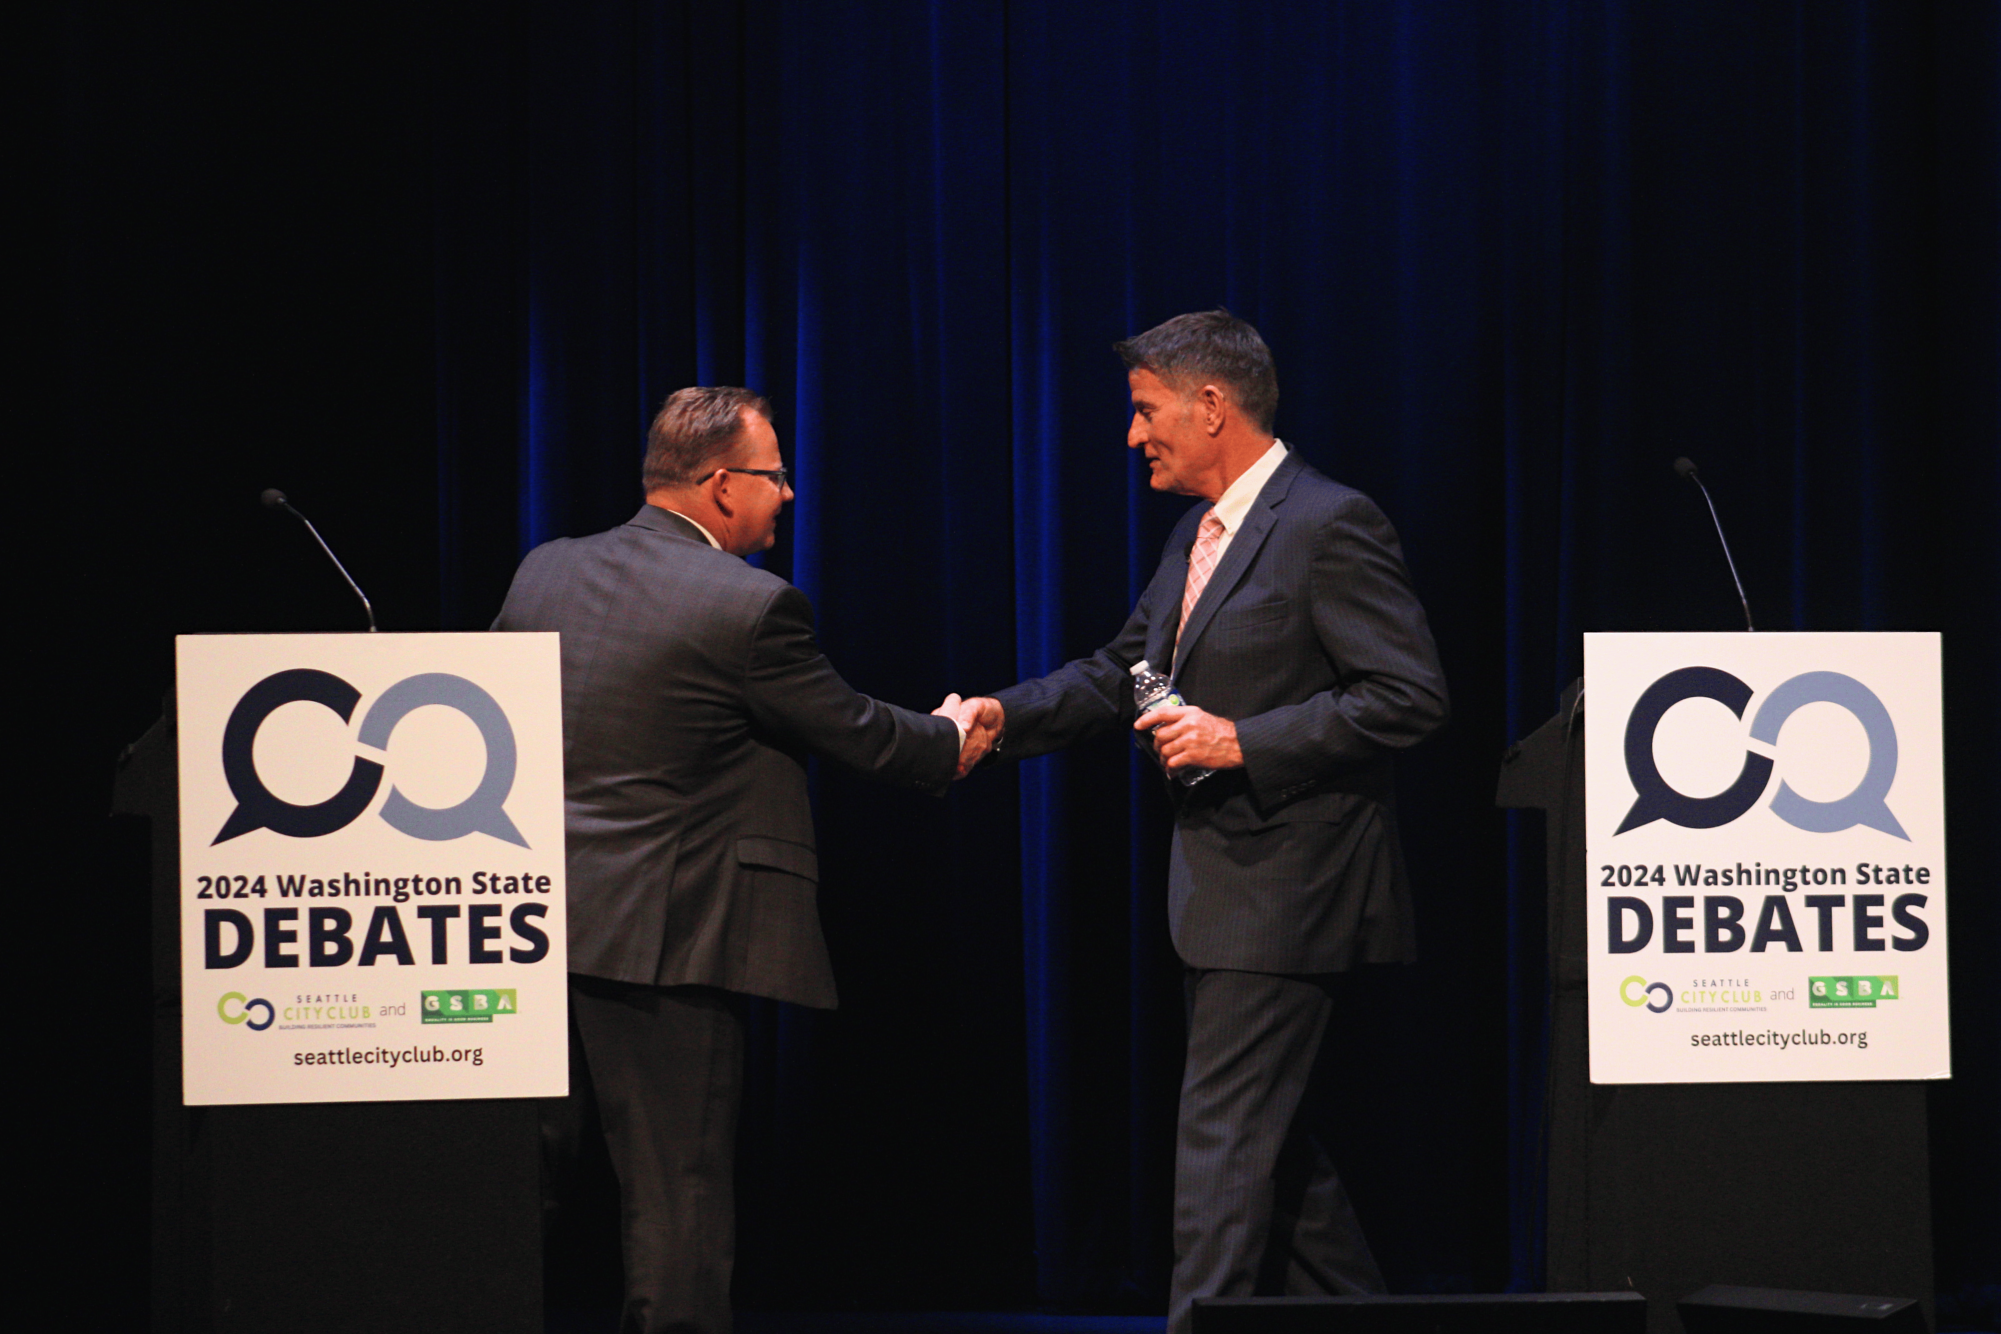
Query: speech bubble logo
x=256, y=807
x=482, y=811
x=1865, y=805
x=1658, y=801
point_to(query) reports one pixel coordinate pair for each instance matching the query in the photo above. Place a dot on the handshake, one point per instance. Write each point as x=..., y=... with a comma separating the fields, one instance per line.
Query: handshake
x=1183, y=736
x=981, y=720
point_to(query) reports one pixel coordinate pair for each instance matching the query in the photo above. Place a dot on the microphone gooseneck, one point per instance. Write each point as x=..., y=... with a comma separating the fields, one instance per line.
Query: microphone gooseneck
x=1685, y=467
x=273, y=498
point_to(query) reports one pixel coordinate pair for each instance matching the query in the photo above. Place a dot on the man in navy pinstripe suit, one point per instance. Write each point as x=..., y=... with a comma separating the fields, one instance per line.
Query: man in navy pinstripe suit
x=1298, y=643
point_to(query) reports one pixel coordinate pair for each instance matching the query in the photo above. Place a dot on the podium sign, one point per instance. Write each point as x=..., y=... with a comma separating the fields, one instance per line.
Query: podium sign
x=371, y=878
x=1765, y=858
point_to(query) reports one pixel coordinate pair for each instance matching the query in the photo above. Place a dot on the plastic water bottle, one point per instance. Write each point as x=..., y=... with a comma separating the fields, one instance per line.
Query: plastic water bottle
x=1153, y=691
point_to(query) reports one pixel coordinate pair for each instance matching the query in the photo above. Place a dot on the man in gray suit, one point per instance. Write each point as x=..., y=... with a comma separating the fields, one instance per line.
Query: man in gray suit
x=1293, y=634
x=692, y=693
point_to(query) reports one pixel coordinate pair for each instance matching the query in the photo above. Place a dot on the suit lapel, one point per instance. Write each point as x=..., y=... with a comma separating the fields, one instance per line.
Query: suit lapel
x=1161, y=623
x=1243, y=550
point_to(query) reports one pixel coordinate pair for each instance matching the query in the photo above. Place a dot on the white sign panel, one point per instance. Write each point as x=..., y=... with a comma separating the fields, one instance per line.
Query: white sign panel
x=1765, y=857
x=371, y=867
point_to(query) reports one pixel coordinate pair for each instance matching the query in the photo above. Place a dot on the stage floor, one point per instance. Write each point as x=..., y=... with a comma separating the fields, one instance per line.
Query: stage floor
x=890, y=1322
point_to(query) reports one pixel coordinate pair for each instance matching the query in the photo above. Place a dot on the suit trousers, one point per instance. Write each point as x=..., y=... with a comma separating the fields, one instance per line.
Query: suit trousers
x=664, y=1066
x=1258, y=1207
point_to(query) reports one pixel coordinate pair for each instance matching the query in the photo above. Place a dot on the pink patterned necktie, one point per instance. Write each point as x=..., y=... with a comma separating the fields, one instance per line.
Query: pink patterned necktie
x=1201, y=564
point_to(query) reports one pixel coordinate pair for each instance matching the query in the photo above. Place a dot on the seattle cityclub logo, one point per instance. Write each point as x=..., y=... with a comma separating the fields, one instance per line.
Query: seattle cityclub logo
x=1637, y=991
x=236, y=1008
x=1658, y=801
x=257, y=808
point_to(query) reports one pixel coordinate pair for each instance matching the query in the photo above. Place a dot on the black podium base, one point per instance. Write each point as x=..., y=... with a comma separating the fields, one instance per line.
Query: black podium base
x=387, y=1217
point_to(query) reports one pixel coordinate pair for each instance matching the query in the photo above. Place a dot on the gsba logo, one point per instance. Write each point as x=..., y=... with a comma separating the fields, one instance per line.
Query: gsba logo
x=257, y=808
x=236, y=1008
x=469, y=1007
x=1637, y=991
x=1850, y=993
x=1658, y=801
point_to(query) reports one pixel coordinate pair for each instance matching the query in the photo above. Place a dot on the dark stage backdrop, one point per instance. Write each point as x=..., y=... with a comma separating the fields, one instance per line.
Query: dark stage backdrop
x=430, y=268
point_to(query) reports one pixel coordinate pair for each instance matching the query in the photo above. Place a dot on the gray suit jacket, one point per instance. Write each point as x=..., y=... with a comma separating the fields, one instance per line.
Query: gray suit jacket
x=692, y=692
x=1309, y=637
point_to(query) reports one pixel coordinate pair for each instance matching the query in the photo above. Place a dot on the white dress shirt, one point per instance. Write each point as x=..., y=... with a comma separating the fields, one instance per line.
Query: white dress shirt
x=1235, y=503
x=711, y=537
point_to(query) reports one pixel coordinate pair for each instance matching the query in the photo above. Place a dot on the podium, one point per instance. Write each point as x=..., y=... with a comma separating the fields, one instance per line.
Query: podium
x=392, y=1216
x=1670, y=1187
x=417, y=1212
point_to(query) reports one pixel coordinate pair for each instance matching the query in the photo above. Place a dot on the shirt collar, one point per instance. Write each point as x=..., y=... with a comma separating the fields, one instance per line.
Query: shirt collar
x=711, y=537
x=1235, y=503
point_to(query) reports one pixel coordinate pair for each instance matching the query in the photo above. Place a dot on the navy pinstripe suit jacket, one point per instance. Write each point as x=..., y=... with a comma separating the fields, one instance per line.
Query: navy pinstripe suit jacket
x=692, y=690
x=1310, y=638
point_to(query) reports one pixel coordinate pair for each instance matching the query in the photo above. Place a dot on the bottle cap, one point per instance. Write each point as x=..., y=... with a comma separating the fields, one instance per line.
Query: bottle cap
x=1140, y=668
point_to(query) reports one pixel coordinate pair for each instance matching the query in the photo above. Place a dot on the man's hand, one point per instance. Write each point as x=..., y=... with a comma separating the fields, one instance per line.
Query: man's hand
x=1184, y=735
x=981, y=720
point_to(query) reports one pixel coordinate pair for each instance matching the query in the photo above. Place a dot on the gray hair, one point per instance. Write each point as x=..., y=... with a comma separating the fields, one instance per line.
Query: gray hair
x=1209, y=347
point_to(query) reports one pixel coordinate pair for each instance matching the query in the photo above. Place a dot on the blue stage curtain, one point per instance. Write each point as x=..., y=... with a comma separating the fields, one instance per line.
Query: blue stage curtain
x=1514, y=256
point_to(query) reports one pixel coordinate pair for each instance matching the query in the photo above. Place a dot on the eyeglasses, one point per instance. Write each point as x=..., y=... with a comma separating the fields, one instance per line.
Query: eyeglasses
x=780, y=476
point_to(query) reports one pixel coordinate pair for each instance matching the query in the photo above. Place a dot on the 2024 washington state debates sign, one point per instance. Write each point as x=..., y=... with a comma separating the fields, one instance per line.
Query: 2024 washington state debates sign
x=371, y=879
x=1765, y=857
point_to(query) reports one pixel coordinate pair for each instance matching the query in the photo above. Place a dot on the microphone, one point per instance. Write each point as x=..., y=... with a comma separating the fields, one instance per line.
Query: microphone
x=274, y=499
x=1685, y=467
